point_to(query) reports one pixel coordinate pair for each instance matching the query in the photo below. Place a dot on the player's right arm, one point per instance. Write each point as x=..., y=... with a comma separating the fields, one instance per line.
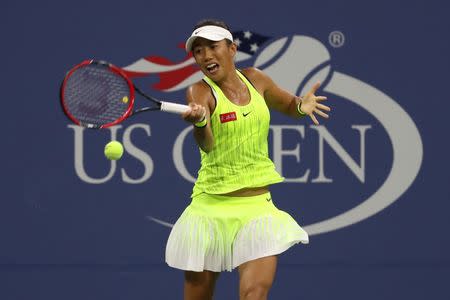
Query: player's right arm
x=201, y=101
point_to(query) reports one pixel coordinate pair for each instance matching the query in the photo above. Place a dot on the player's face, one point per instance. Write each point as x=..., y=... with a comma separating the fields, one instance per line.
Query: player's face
x=216, y=59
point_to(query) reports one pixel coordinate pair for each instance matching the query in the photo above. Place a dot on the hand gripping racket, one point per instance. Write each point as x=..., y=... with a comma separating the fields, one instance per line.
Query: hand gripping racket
x=97, y=94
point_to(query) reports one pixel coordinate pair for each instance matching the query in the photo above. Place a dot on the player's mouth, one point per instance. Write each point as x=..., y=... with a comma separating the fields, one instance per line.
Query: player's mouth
x=212, y=68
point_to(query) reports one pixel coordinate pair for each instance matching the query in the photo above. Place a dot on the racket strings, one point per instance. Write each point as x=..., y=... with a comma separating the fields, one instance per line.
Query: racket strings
x=95, y=95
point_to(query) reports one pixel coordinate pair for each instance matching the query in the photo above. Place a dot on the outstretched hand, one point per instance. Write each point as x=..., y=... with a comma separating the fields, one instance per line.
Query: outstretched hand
x=310, y=104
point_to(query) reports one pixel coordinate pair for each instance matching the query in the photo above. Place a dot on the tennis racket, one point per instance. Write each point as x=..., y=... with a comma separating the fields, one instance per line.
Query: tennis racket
x=97, y=94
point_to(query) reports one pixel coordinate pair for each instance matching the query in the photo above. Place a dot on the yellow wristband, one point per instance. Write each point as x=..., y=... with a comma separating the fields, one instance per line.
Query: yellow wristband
x=202, y=123
x=299, y=109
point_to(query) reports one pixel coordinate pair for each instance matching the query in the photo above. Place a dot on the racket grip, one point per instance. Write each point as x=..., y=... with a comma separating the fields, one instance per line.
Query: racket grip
x=174, y=107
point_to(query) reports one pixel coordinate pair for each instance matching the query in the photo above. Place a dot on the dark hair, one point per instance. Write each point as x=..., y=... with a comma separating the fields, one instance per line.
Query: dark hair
x=214, y=22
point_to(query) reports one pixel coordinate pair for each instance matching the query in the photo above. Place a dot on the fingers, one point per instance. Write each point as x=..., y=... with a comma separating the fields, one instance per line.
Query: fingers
x=195, y=114
x=315, y=87
x=313, y=100
x=198, y=109
x=321, y=113
x=186, y=113
x=314, y=119
x=323, y=107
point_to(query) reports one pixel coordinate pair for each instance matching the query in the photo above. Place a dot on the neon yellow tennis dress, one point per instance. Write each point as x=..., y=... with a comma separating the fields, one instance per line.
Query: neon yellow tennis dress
x=217, y=232
x=239, y=158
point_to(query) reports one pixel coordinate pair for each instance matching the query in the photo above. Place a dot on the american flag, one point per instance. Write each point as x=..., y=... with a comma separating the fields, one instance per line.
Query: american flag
x=174, y=76
x=249, y=42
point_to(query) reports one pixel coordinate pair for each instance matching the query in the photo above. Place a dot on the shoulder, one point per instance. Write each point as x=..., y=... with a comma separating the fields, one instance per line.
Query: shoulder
x=200, y=93
x=253, y=74
x=198, y=90
x=258, y=78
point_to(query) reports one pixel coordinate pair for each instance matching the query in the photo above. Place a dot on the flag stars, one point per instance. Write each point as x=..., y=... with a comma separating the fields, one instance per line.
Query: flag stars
x=247, y=34
x=249, y=42
x=254, y=47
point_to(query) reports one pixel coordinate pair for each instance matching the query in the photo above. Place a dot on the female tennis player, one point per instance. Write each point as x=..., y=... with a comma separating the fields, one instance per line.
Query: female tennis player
x=232, y=221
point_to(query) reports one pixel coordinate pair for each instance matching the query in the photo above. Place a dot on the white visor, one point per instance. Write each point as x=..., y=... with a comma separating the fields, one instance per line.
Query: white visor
x=209, y=32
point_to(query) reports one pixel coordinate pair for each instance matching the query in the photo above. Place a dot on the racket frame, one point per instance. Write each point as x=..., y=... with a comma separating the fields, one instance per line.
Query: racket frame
x=115, y=70
x=169, y=107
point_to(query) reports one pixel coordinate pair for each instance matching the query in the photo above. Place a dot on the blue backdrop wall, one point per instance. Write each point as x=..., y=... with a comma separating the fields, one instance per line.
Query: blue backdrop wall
x=370, y=184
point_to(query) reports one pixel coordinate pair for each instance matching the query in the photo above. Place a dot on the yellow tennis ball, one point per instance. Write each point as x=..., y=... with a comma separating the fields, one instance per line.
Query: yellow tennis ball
x=113, y=150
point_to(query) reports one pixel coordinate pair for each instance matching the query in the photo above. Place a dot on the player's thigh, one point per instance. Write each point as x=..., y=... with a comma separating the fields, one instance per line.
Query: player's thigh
x=199, y=285
x=256, y=276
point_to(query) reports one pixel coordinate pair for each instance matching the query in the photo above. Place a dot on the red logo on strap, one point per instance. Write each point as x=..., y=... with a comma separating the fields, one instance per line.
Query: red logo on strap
x=228, y=117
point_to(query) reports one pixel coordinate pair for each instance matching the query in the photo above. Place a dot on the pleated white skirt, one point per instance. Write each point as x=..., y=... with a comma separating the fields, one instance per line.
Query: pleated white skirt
x=219, y=233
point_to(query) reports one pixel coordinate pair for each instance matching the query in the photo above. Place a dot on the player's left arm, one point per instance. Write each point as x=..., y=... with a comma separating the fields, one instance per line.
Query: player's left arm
x=286, y=103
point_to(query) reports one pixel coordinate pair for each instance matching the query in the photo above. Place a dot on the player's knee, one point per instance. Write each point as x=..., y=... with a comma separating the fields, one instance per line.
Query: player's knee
x=254, y=291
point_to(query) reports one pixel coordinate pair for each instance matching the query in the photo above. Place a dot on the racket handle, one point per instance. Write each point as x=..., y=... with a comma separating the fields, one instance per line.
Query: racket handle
x=174, y=107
